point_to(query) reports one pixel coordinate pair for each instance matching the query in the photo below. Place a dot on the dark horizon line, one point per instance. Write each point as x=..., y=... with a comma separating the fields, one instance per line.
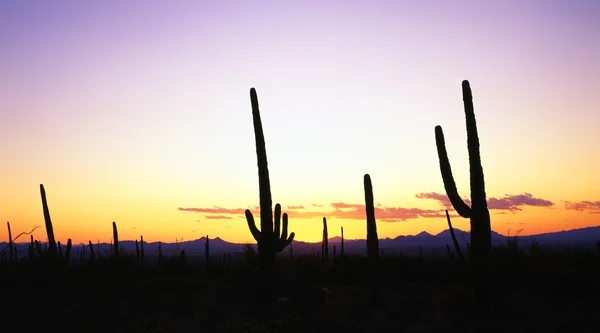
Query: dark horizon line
x=335, y=238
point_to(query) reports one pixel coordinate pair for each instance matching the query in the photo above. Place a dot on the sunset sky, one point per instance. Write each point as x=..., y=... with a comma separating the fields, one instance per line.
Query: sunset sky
x=139, y=112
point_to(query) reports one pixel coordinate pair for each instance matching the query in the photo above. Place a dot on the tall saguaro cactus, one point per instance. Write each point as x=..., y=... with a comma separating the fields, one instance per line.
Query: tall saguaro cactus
x=116, y=241
x=372, y=240
x=49, y=230
x=269, y=239
x=478, y=212
x=325, y=242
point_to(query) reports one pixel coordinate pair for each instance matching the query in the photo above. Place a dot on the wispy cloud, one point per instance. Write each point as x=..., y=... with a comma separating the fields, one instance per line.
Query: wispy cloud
x=512, y=203
x=593, y=207
x=214, y=210
x=295, y=207
x=218, y=217
x=339, y=210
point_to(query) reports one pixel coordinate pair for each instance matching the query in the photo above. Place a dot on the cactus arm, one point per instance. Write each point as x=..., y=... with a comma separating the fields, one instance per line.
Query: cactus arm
x=449, y=185
x=284, y=241
x=284, y=227
x=252, y=225
x=277, y=216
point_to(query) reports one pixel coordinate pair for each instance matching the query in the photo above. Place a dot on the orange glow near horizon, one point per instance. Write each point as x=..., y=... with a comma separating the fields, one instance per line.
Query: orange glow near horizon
x=129, y=112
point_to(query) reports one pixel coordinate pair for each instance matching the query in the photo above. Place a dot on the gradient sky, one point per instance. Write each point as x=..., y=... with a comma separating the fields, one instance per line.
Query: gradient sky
x=138, y=112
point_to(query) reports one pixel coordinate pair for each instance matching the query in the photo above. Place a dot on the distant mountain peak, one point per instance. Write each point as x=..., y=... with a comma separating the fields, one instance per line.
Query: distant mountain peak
x=423, y=234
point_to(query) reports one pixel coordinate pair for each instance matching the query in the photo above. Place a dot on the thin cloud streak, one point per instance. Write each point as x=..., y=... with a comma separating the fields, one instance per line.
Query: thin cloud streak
x=341, y=210
x=512, y=203
x=593, y=206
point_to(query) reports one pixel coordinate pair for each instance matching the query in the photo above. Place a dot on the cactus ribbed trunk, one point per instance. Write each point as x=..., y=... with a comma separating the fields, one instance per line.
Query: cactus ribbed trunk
x=478, y=213
x=49, y=230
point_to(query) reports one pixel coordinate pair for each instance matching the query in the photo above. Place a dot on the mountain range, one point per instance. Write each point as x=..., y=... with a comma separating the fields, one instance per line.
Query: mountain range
x=410, y=244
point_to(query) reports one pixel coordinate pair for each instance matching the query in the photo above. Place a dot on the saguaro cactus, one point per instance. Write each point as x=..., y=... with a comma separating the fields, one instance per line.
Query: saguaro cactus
x=142, y=249
x=325, y=242
x=68, y=250
x=11, y=248
x=206, y=252
x=342, y=244
x=269, y=239
x=478, y=212
x=372, y=240
x=116, y=241
x=49, y=230
x=454, y=240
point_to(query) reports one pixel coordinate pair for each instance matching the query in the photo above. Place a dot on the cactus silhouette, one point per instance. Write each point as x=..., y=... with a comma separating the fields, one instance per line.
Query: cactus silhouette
x=11, y=248
x=206, y=253
x=116, y=241
x=454, y=240
x=49, y=230
x=142, y=249
x=92, y=253
x=342, y=244
x=372, y=241
x=269, y=239
x=68, y=250
x=325, y=242
x=478, y=213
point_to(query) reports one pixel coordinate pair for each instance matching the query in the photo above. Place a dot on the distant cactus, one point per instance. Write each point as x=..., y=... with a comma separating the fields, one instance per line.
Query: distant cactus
x=31, y=248
x=161, y=258
x=342, y=244
x=269, y=239
x=325, y=242
x=137, y=251
x=478, y=213
x=68, y=250
x=116, y=241
x=454, y=240
x=372, y=239
x=206, y=252
x=49, y=229
x=11, y=247
x=142, y=249
x=92, y=253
